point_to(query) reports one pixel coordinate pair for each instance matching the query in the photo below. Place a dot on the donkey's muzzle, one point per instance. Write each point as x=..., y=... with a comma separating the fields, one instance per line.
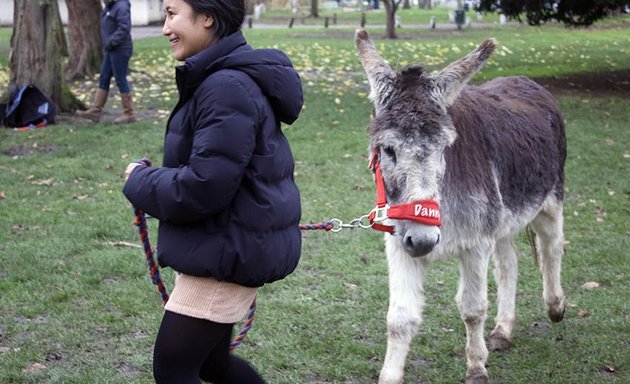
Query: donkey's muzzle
x=419, y=240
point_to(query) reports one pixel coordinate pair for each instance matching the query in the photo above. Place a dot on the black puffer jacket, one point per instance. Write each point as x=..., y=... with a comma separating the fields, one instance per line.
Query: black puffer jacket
x=225, y=196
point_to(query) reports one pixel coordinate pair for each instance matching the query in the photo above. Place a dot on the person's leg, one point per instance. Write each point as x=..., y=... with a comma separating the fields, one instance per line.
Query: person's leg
x=222, y=367
x=120, y=67
x=102, y=91
x=105, y=76
x=182, y=345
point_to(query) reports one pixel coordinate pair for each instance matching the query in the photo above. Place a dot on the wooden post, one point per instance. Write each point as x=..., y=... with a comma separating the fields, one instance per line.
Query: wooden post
x=326, y=22
x=291, y=22
x=362, y=19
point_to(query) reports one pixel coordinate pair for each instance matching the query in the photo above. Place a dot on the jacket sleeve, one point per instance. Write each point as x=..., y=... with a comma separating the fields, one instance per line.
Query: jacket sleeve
x=225, y=124
x=123, y=29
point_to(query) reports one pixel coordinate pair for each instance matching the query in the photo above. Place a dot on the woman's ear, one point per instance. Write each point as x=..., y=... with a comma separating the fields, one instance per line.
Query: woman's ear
x=208, y=21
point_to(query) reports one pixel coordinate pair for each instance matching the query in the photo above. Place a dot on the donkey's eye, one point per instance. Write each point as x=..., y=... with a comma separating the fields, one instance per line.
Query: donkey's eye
x=390, y=152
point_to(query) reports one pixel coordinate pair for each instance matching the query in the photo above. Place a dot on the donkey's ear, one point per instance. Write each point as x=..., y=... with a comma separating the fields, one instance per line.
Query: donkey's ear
x=379, y=74
x=449, y=82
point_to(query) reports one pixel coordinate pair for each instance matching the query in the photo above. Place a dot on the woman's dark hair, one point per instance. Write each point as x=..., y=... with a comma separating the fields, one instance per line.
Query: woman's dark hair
x=228, y=15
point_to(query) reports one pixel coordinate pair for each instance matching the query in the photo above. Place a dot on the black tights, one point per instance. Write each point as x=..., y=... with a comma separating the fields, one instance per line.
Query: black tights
x=189, y=349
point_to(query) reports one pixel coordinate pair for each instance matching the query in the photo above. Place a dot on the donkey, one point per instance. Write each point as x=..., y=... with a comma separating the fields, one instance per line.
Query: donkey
x=485, y=161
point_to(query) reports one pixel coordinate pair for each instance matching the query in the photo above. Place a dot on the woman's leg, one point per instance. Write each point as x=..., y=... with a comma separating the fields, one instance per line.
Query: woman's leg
x=120, y=69
x=182, y=345
x=105, y=76
x=222, y=367
x=187, y=348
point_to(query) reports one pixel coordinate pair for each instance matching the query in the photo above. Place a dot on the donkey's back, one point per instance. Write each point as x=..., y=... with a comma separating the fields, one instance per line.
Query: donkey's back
x=509, y=154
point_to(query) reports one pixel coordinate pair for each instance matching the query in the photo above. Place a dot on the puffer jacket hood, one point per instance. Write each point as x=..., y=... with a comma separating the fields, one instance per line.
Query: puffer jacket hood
x=271, y=69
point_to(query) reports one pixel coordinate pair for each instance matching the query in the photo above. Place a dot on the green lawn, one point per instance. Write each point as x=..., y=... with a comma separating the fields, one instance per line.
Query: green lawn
x=77, y=308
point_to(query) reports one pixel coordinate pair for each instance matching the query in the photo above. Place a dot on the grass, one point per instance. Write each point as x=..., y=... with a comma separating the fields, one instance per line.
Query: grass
x=75, y=308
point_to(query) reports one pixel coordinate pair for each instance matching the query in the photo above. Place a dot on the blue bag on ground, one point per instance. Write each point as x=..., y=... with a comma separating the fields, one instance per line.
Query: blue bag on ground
x=28, y=107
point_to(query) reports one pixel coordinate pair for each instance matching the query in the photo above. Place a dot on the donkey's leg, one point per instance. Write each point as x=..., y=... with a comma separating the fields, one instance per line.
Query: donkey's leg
x=472, y=300
x=506, y=275
x=549, y=241
x=406, y=299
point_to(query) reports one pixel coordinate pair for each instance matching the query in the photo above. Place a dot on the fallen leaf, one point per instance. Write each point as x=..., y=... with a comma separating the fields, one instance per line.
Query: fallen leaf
x=46, y=182
x=350, y=285
x=2, y=195
x=582, y=313
x=590, y=285
x=609, y=368
x=34, y=368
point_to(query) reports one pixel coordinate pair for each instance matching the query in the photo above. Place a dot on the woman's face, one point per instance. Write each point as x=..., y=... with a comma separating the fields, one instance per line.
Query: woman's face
x=188, y=32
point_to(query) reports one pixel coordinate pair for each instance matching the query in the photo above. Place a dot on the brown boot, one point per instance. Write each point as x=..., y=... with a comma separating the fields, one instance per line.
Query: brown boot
x=127, y=116
x=94, y=112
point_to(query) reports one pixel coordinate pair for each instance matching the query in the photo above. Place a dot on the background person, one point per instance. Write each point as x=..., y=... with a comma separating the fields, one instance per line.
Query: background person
x=228, y=206
x=117, y=50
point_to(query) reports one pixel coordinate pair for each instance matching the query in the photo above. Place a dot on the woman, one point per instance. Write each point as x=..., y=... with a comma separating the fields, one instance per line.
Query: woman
x=228, y=206
x=117, y=50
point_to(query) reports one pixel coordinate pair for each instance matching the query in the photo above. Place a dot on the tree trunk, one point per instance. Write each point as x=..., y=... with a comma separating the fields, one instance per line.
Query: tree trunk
x=37, y=47
x=84, y=39
x=424, y=4
x=390, y=10
x=314, y=8
x=406, y=4
x=249, y=6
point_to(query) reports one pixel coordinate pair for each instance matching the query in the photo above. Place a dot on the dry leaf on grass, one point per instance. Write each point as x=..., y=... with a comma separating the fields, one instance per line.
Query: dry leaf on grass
x=609, y=368
x=34, y=368
x=590, y=285
x=582, y=313
x=46, y=182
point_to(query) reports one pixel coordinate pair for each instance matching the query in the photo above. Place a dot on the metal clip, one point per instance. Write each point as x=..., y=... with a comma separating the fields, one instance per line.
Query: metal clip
x=380, y=214
x=361, y=222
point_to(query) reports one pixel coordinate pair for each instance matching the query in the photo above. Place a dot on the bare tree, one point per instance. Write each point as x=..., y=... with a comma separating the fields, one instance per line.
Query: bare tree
x=424, y=4
x=37, y=47
x=84, y=39
x=249, y=6
x=391, y=6
x=314, y=8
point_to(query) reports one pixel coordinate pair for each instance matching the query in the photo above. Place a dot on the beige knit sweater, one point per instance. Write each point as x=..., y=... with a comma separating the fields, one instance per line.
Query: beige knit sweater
x=210, y=299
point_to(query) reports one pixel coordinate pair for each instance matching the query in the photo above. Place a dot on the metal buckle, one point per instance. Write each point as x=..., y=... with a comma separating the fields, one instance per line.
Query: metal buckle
x=380, y=214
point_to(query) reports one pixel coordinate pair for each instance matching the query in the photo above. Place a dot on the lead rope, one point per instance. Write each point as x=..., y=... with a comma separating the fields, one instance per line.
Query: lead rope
x=334, y=225
x=141, y=223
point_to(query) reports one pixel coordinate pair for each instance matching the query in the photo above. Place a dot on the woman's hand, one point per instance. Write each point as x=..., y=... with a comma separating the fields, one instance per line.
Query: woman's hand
x=130, y=168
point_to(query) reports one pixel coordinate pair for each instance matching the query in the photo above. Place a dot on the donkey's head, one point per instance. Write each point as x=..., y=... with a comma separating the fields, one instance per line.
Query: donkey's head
x=410, y=130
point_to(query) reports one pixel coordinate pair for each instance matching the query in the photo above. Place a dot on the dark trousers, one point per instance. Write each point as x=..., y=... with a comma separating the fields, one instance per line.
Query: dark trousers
x=189, y=349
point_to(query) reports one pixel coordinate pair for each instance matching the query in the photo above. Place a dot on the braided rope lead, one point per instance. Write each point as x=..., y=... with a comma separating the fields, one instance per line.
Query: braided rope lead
x=141, y=223
x=326, y=226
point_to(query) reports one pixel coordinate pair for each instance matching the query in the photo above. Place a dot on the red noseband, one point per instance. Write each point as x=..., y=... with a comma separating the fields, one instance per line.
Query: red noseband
x=422, y=211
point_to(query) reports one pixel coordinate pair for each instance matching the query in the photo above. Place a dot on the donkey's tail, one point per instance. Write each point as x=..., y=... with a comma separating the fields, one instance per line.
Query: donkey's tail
x=531, y=236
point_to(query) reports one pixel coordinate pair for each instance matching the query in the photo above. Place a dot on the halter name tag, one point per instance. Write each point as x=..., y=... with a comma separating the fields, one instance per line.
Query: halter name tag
x=419, y=210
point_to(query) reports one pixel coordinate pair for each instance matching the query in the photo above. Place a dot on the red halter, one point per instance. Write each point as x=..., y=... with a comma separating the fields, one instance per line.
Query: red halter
x=422, y=211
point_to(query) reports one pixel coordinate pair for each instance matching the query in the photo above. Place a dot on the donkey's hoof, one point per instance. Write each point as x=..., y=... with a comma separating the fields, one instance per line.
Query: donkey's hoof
x=476, y=376
x=498, y=342
x=556, y=313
